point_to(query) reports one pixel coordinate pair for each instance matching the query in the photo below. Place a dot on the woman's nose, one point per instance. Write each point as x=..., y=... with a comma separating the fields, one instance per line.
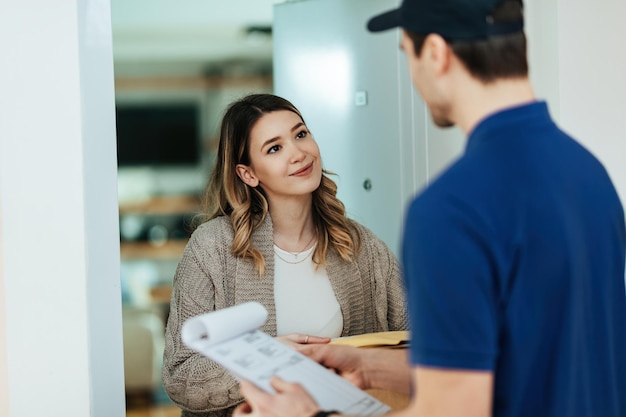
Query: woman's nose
x=298, y=153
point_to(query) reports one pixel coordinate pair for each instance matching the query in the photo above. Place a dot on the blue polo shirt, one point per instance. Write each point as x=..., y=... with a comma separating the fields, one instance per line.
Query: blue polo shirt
x=514, y=263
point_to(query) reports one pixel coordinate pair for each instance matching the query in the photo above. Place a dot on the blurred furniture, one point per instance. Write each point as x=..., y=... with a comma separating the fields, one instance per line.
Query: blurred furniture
x=156, y=228
x=143, y=350
x=153, y=234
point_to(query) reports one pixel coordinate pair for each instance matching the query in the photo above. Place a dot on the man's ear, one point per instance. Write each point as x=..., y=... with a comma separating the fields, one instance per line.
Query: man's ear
x=247, y=176
x=438, y=52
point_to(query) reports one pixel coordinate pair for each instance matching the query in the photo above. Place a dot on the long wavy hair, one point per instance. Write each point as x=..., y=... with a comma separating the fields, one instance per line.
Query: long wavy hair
x=247, y=207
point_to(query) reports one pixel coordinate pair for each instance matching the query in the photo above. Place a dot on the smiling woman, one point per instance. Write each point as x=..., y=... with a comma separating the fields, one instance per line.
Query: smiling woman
x=274, y=232
x=283, y=158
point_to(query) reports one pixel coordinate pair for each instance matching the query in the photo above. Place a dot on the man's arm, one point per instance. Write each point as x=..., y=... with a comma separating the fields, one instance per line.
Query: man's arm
x=439, y=393
x=450, y=392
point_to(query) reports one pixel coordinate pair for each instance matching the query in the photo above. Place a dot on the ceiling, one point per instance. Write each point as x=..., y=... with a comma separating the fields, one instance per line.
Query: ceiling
x=191, y=37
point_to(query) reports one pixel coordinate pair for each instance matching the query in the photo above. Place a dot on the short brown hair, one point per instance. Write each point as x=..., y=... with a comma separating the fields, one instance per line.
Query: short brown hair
x=497, y=57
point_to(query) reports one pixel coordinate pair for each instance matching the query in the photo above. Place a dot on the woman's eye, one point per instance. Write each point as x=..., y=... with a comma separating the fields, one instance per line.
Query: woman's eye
x=301, y=134
x=273, y=149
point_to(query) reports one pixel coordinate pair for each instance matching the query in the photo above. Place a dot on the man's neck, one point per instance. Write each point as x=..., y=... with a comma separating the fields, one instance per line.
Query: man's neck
x=475, y=101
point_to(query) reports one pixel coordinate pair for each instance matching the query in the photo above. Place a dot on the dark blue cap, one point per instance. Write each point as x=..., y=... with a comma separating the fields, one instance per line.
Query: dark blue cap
x=452, y=19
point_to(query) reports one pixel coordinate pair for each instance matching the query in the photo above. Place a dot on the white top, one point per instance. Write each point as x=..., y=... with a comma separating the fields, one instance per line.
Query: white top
x=305, y=301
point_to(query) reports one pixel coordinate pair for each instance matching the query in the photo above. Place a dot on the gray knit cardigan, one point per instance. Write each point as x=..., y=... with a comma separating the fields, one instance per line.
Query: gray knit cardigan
x=209, y=277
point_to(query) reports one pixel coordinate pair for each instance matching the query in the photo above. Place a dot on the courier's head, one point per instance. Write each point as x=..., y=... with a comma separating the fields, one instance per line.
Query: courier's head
x=454, y=20
x=482, y=40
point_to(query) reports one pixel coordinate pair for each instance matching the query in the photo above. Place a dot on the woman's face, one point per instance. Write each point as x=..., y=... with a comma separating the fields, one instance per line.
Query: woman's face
x=284, y=158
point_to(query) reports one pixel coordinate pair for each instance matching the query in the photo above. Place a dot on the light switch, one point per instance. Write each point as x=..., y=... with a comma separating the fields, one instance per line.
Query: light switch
x=360, y=98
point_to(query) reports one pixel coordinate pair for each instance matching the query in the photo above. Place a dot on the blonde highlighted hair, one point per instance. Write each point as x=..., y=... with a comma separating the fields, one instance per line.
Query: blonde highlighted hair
x=247, y=207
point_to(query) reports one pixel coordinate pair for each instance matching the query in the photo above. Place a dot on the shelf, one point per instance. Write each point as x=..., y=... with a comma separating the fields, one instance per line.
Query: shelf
x=193, y=83
x=172, y=249
x=161, y=293
x=163, y=205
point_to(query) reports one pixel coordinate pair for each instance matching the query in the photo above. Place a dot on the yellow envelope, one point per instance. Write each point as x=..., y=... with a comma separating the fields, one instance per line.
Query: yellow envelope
x=380, y=339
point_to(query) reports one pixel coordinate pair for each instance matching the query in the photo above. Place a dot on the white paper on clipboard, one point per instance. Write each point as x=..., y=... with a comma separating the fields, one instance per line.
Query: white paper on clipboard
x=231, y=338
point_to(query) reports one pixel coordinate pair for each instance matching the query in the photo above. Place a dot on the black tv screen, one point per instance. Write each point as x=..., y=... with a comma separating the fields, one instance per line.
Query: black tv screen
x=158, y=134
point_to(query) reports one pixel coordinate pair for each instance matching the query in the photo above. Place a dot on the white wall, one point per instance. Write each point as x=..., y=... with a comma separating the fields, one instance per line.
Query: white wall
x=577, y=64
x=592, y=84
x=60, y=308
x=541, y=25
x=4, y=359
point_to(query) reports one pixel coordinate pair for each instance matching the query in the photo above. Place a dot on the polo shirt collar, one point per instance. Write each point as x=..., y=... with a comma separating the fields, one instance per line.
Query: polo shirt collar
x=513, y=120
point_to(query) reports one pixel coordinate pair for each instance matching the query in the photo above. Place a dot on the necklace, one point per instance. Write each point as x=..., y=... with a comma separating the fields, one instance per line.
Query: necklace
x=295, y=255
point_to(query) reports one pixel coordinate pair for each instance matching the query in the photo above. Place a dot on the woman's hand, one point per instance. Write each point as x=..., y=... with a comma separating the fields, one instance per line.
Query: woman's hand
x=296, y=340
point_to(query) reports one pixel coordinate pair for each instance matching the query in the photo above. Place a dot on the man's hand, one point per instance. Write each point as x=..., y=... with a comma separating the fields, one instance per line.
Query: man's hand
x=290, y=400
x=347, y=361
x=386, y=369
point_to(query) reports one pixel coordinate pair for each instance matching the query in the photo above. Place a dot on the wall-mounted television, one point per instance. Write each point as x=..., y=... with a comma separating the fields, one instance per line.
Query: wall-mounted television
x=158, y=134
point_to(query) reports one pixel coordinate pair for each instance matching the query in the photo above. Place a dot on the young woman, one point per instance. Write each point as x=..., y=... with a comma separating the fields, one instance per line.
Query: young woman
x=275, y=233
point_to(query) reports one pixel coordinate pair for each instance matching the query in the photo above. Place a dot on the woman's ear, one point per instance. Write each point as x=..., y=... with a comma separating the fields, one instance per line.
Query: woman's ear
x=247, y=176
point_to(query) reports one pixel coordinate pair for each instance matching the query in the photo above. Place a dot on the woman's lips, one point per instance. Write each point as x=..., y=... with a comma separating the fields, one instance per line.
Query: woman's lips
x=304, y=171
